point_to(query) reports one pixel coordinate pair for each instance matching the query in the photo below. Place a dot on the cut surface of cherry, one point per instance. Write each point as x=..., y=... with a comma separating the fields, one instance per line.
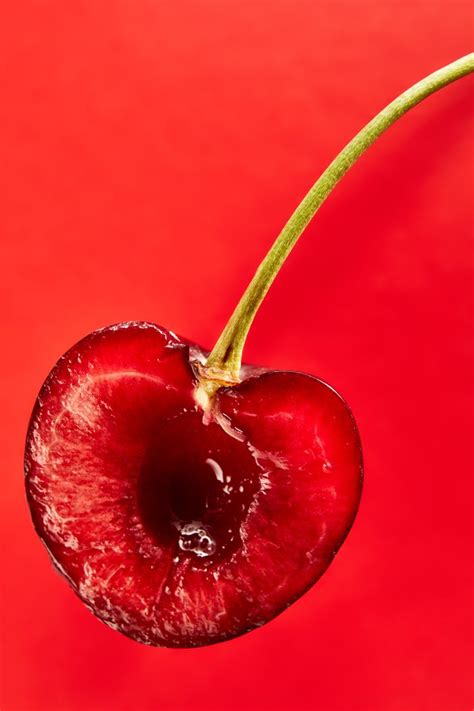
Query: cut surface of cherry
x=177, y=525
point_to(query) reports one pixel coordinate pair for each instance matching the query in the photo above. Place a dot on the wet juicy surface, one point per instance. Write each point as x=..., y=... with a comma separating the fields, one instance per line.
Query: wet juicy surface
x=177, y=528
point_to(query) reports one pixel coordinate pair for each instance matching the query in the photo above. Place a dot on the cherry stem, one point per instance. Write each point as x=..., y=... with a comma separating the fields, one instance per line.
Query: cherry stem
x=224, y=362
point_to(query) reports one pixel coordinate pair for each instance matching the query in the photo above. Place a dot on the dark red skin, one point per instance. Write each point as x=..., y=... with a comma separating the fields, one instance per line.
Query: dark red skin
x=128, y=484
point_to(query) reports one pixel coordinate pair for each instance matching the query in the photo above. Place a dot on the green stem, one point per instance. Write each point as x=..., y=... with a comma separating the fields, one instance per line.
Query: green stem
x=225, y=359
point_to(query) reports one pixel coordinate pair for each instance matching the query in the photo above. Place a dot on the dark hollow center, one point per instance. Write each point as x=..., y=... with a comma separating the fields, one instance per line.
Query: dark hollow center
x=195, y=488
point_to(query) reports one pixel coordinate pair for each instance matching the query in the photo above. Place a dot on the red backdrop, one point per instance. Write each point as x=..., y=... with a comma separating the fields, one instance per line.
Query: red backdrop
x=150, y=152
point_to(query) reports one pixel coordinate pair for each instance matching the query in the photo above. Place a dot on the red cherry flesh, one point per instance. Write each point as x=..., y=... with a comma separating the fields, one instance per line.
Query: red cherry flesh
x=177, y=526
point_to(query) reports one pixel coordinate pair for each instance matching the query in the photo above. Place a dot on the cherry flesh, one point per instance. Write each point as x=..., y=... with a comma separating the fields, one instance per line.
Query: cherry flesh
x=176, y=525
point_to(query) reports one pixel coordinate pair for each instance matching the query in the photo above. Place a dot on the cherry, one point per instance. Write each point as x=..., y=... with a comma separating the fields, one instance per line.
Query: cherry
x=185, y=498
x=179, y=529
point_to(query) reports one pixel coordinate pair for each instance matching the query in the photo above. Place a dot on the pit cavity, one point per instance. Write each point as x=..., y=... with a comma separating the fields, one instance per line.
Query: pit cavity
x=195, y=488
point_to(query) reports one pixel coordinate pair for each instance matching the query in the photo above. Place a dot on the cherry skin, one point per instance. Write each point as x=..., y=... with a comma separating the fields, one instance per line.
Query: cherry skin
x=177, y=525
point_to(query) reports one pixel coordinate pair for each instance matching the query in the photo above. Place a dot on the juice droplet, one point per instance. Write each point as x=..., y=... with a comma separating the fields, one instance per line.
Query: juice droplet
x=195, y=538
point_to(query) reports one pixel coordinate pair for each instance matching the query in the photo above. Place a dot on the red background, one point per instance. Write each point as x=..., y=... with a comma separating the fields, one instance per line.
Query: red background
x=150, y=152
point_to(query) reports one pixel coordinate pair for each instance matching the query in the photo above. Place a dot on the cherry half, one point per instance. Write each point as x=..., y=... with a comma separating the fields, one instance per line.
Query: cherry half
x=175, y=526
x=185, y=498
